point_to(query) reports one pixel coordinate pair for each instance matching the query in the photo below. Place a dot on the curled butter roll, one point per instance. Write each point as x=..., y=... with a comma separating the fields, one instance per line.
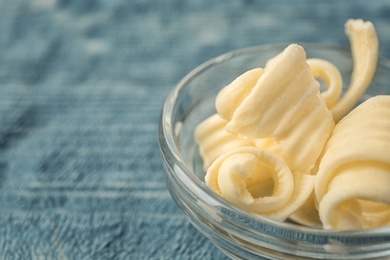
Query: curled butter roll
x=331, y=75
x=258, y=181
x=213, y=139
x=289, y=109
x=364, y=45
x=353, y=180
x=362, y=135
x=346, y=206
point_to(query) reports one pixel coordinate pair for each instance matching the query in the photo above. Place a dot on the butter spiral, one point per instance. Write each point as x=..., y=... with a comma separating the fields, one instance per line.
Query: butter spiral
x=353, y=180
x=259, y=181
x=288, y=109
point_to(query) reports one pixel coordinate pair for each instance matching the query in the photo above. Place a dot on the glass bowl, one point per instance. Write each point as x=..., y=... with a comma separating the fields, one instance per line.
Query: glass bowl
x=238, y=233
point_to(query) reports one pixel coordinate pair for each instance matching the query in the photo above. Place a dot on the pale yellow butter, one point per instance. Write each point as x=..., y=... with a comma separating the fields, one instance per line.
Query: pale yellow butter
x=354, y=172
x=286, y=105
x=274, y=148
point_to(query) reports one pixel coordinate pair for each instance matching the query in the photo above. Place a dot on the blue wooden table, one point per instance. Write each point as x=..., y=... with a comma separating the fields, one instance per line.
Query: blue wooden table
x=82, y=84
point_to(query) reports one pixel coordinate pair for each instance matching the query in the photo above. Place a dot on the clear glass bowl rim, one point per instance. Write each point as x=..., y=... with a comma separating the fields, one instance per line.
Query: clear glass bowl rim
x=166, y=140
